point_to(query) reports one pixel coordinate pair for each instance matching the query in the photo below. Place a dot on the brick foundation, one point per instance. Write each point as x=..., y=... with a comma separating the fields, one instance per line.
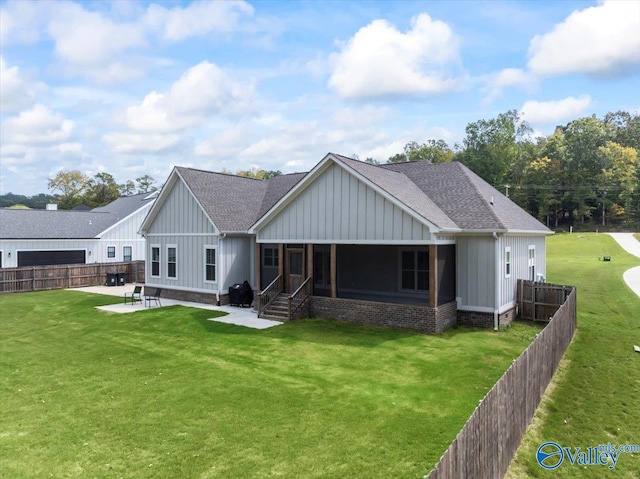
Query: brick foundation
x=191, y=296
x=400, y=316
x=485, y=320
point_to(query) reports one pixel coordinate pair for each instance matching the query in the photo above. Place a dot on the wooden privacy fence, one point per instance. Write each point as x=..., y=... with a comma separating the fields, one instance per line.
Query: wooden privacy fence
x=484, y=447
x=38, y=278
x=539, y=301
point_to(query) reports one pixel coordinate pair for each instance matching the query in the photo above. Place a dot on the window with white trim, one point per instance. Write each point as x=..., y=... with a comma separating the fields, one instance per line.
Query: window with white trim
x=172, y=261
x=111, y=251
x=126, y=253
x=414, y=270
x=507, y=262
x=155, y=261
x=270, y=256
x=532, y=262
x=210, y=264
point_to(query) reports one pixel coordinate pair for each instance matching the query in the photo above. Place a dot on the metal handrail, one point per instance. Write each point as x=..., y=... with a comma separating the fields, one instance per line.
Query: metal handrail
x=294, y=297
x=267, y=295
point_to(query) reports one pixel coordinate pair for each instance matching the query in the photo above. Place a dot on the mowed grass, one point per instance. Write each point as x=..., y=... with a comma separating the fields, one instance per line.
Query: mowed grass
x=595, y=396
x=167, y=393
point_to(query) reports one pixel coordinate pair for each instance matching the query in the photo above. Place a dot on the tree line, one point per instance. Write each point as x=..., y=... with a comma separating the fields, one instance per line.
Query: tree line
x=585, y=172
x=72, y=188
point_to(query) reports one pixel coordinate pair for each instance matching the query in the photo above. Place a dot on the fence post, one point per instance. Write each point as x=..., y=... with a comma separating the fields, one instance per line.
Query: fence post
x=33, y=278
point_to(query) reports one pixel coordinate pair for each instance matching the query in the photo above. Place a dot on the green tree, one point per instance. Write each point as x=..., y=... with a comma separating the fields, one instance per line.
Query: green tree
x=101, y=190
x=128, y=188
x=259, y=174
x=492, y=147
x=146, y=184
x=71, y=184
x=435, y=151
x=620, y=175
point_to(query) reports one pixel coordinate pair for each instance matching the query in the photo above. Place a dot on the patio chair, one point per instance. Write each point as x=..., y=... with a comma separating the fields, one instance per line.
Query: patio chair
x=154, y=297
x=134, y=296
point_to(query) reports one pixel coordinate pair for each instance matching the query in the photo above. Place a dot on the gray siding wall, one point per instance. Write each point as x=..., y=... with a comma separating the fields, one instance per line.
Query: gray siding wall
x=236, y=256
x=181, y=213
x=190, y=262
x=181, y=222
x=337, y=207
x=128, y=228
x=519, y=263
x=475, y=266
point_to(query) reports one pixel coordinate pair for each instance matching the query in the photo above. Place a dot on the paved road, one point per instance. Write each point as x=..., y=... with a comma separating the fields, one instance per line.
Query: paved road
x=631, y=246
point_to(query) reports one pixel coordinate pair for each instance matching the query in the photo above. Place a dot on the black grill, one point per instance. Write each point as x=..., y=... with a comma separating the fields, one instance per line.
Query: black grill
x=241, y=294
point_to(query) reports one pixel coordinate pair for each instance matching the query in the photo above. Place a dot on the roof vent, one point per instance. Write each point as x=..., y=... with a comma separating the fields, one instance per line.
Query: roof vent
x=52, y=207
x=491, y=201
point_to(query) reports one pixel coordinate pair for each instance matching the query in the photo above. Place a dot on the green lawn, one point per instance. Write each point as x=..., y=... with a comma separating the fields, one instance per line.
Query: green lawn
x=595, y=396
x=166, y=393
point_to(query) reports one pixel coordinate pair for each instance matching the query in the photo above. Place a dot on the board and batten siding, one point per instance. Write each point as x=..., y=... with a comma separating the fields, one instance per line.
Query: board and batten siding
x=181, y=222
x=339, y=208
x=128, y=228
x=236, y=257
x=180, y=213
x=190, y=267
x=475, y=267
x=519, y=246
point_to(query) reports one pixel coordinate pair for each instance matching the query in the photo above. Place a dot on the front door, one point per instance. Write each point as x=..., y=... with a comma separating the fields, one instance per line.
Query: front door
x=294, y=269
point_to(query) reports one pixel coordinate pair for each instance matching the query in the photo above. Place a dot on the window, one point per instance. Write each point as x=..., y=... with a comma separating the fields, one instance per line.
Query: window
x=172, y=261
x=507, y=262
x=270, y=257
x=209, y=264
x=126, y=253
x=111, y=251
x=155, y=261
x=414, y=270
x=532, y=262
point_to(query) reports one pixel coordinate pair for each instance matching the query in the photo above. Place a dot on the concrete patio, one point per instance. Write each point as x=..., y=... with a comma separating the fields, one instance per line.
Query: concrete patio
x=239, y=316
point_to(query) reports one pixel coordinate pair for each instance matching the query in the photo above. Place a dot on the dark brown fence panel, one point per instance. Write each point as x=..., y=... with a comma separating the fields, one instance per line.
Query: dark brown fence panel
x=539, y=301
x=487, y=442
x=38, y=278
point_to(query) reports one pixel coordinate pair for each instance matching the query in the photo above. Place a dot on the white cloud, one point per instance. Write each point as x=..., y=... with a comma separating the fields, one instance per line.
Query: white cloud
x=554, y=112
x=197, y=19
x=202, y=91
x=379, y=60
x=142, y=143
x=600, y=40
x=37, y=126
x=15, y=93
x=509, y=77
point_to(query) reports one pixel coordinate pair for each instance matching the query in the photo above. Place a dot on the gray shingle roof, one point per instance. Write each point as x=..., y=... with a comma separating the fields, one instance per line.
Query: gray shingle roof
x=447, y=195
x=466, y=198
x=232, y=202
x=62, y=224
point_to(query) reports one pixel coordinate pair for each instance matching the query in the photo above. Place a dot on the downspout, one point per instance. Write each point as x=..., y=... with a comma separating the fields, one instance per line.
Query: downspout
x=496, y=308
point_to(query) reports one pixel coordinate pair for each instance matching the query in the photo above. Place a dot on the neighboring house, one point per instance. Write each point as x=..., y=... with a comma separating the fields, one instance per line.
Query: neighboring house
x=49, y=237
x=415, y=245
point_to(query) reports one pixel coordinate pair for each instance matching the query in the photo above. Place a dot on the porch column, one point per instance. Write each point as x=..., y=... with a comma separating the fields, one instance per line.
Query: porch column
x=333, y=269
x=280, y=259
x=433, y=276
x=258, y=268
x=310, y=267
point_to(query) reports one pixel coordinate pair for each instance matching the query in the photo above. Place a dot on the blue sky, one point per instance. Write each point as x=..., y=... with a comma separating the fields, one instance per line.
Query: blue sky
x=134, y=88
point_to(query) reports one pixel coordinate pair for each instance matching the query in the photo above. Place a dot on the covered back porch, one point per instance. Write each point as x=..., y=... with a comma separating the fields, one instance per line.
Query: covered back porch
x=392, y=285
